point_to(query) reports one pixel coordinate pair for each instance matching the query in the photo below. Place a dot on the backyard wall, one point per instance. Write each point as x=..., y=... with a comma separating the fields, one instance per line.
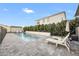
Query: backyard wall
x=77, y=32
x=39, y=33
x=3, y=32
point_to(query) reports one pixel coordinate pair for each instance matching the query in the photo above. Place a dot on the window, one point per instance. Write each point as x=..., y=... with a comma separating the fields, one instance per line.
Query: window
x=43, y=20
x=48, y=19
x=38, y=23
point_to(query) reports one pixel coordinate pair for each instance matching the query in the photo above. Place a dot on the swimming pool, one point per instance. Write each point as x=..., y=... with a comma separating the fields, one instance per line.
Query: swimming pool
x=30, y=37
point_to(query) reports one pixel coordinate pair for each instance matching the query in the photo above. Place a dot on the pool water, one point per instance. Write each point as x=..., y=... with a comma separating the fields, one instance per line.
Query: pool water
x=30, y=37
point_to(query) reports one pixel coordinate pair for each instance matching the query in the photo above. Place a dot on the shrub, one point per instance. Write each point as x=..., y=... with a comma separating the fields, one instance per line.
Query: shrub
x=55, y=29
x=73, y=24
x=59, y=29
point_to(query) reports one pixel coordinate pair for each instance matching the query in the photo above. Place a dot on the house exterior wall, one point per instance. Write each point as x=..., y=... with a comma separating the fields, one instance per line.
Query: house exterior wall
x=14, y=29
x=52, y=19
x=7, y=27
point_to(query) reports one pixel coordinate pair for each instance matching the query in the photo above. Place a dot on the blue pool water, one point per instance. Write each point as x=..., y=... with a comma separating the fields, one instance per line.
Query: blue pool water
x=30, y=37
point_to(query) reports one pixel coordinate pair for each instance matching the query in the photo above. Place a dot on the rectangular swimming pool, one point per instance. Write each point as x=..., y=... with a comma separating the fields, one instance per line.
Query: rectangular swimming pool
x=30, y=37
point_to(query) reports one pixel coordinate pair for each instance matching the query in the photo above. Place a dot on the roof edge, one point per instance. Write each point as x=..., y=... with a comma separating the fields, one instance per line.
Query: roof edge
x=52, y=15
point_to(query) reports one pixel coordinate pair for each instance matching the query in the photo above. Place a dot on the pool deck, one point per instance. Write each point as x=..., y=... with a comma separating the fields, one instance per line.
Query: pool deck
x=13, y=46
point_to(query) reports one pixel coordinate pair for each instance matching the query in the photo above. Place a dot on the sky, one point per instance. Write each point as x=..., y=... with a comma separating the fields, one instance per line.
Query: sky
x=25, y=14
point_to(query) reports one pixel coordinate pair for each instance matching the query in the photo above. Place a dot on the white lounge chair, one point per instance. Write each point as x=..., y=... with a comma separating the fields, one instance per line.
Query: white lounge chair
x=64, y=42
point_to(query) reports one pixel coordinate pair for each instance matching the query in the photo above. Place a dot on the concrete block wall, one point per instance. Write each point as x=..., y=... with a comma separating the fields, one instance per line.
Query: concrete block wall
x=3, y=32
x=77, y=32
x=39, y=33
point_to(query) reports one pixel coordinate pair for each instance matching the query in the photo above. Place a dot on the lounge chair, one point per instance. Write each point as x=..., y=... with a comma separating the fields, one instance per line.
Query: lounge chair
x=65, y=41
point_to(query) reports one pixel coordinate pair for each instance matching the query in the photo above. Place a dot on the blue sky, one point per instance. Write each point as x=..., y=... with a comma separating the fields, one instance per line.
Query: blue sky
x=25, y=14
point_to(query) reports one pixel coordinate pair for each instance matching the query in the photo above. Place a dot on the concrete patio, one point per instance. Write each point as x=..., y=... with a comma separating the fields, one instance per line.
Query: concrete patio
x=13, y=46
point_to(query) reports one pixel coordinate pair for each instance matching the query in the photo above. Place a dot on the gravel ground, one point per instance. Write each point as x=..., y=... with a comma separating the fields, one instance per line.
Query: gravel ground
x=13, y=46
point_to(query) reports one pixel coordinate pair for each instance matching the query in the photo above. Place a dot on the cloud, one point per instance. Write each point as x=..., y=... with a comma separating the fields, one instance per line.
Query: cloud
x=5, y=9
x=28, y=11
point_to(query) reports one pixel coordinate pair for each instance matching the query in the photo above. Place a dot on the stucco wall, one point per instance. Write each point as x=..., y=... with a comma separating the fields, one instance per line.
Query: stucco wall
x=3, y=32
x=16, y=29
x=39, y=33
x=52, y=19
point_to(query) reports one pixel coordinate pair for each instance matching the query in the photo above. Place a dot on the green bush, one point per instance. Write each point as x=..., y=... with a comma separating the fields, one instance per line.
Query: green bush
x=73, y=24
x=55, y=29
x=59, y=29
x=41, y=28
